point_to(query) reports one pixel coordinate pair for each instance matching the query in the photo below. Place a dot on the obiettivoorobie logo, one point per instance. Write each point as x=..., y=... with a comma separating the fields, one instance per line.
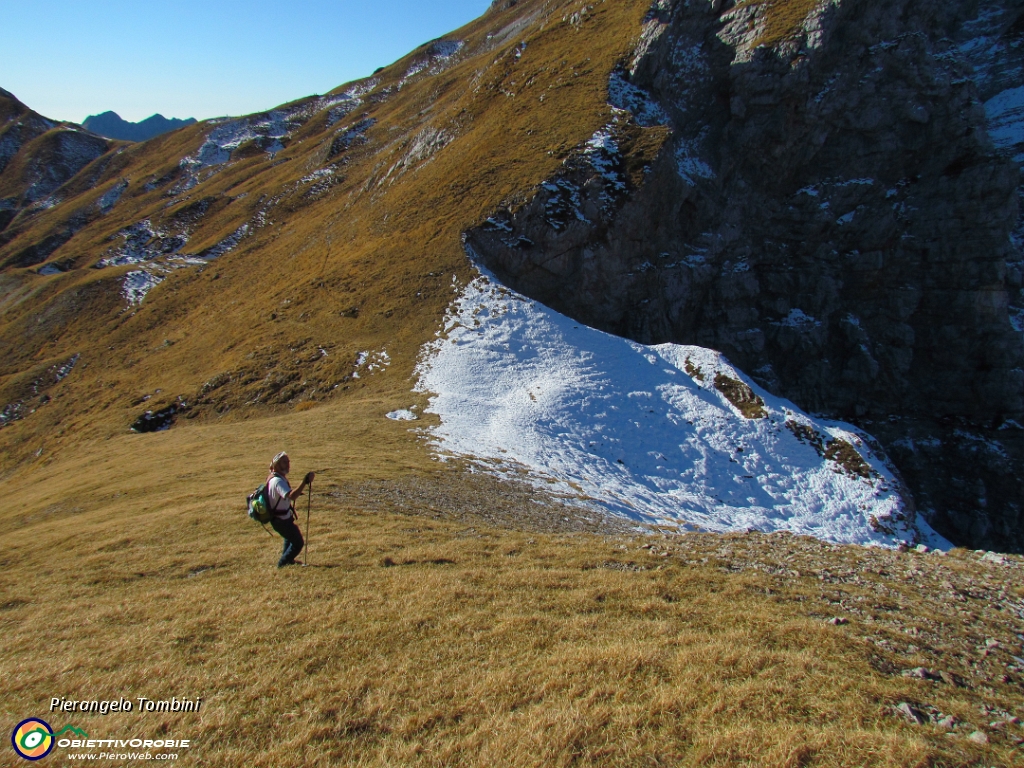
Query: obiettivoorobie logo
x=33, y=739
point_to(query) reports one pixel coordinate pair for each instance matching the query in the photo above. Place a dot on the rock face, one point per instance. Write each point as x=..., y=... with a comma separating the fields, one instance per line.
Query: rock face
x=835, y=208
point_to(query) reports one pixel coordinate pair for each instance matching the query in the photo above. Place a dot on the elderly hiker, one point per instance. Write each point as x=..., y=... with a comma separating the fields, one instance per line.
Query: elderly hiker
x=281, y=497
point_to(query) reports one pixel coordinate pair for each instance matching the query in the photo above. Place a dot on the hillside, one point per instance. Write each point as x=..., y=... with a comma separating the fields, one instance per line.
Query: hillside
x=282, y=245
x=870, y=316
x=489, y=584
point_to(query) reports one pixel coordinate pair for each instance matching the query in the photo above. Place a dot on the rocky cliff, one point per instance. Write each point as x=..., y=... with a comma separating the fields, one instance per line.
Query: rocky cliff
x=835, y=207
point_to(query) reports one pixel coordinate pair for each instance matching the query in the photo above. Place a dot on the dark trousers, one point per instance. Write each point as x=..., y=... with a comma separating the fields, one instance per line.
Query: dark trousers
x=292, y=539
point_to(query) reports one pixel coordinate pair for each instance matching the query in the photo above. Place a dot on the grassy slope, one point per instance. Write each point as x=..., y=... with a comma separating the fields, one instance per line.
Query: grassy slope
x=528, y=647
x=423, y=635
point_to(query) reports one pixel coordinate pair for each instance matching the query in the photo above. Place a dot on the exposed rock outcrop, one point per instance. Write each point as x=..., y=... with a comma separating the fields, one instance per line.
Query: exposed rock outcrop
x=834, y=210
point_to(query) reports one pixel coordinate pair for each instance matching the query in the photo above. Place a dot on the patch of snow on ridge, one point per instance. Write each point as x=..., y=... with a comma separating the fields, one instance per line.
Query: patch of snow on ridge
x=797, y=318
x=602, y=419
x=227, y=137
x=1016, y=317
x=268, y=129
x=343, y=103
x=224, y=245
x=438, y=57
x=322, y=173
x=111, y=196
x=602, y=151
x=138, y=284
x=689, y=164
x=157, y=254
x=142, y=243
x=403, y=414
x=622, y=94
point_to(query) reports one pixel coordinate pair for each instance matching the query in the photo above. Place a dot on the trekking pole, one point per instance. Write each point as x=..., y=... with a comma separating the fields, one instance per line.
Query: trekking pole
x=309, y=503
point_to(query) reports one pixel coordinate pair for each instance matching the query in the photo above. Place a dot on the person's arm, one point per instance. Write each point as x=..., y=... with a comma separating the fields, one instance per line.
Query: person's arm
x=297, y=492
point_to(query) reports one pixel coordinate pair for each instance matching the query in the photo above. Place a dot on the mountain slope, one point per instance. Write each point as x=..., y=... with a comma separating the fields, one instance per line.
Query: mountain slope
x=265, y=261
x=335, y=223
x=236, y=276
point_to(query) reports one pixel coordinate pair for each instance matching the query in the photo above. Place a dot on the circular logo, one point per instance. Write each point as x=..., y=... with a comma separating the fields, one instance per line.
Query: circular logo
x=32, y=739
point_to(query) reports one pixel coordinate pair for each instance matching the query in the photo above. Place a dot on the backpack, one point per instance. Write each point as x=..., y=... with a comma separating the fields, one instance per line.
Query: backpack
x=261, y=508
x=258, y=503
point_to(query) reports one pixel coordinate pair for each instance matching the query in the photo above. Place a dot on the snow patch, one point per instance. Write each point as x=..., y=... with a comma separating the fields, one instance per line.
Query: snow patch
x=322, y=173
x=563, y=204
x=111, y=196
x=346, y=102
x=64, y=369
x=797, y=319
x=438, y=58
x=402, y=415
x=157, y=253
x=354, y=135
x=1016, y=318
x=137, y=284
x=423, y=147
x=371, y=362
x=644, y=431
x=624, y=95
x=142, y=243
x=602, y=152
x=564, y=200
x=224, y=245
x=268, y=130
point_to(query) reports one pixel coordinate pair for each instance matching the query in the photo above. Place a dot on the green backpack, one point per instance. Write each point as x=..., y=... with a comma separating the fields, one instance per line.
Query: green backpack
x=259, y=505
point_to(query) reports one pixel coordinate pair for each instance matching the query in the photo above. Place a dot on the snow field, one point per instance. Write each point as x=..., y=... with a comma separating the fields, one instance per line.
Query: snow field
x=642, y=430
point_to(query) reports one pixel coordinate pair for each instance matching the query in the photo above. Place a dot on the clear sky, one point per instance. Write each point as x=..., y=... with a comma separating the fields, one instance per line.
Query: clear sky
x=68, y=59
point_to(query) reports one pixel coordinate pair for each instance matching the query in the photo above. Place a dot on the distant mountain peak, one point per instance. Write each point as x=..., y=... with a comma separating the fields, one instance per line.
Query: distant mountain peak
x=113, y=126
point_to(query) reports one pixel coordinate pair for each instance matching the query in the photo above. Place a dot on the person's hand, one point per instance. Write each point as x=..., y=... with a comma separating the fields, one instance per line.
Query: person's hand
x=309, y=477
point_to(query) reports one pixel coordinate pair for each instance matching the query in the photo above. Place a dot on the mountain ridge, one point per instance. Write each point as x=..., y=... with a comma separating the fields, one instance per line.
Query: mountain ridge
x=113, y=126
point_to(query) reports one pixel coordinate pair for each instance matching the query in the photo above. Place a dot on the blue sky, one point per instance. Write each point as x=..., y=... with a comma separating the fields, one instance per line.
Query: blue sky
x=67, y=59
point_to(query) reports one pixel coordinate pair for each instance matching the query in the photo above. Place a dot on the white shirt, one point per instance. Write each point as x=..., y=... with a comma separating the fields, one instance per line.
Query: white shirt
x=278, y=490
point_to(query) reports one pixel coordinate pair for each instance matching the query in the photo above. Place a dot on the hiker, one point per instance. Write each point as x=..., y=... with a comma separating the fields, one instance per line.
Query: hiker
x=281, y=498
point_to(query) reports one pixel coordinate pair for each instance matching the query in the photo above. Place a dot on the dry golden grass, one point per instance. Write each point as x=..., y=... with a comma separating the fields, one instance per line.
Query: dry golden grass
x=415, y=638
x=425, y=633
